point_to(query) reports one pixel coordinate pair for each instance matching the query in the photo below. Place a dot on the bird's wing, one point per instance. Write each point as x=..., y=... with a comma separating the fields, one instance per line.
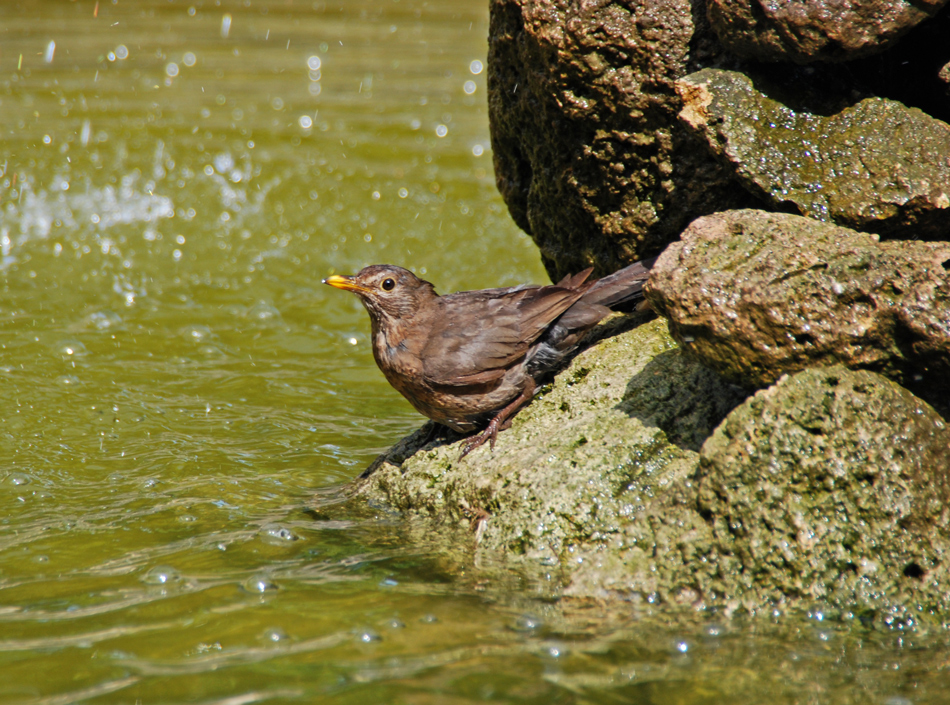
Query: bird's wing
x=481, y=334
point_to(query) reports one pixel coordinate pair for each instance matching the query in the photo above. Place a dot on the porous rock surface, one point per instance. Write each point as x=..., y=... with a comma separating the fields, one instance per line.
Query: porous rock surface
x=756, y=295
x=876, y=166
x=808, y=494
x=814, y=30
x=832, y=487
x=588, y=153
x=620, y=426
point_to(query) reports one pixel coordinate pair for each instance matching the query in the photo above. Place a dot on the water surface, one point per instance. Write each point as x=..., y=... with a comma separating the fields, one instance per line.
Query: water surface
x=180, y=399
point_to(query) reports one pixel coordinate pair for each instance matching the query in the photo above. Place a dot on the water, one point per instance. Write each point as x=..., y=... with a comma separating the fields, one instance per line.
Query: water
x=180, y=399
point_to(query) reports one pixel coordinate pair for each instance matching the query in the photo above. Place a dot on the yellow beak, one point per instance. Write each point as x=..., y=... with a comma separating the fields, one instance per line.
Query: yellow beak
x=345, y=283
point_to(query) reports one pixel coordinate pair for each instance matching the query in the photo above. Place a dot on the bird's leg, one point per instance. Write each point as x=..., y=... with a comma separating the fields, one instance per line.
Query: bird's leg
x=501, y=421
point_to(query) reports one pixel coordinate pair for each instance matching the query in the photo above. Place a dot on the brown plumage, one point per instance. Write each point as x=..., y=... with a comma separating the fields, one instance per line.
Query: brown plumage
x=476, y=357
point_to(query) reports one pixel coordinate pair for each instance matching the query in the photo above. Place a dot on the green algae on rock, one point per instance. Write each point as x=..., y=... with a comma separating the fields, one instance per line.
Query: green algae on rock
x=578, y=465
x=876, y=166
x=831, y=487
x=808, y=494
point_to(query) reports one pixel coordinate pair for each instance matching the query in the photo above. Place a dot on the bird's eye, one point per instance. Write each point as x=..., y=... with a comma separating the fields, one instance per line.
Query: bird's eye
x=388, y=285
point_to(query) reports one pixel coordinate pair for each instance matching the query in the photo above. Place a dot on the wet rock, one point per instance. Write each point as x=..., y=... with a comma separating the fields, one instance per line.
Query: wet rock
x=755, y=295
x=580, y=464
x=814, y=30
x=876, y=166
x=830, y=487
x=826, y=491
x=589, y=155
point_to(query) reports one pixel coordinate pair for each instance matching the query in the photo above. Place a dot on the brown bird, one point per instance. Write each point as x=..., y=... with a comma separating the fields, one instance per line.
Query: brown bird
x=478, y=357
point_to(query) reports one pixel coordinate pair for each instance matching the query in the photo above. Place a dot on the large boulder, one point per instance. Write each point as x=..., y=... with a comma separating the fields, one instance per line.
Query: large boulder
x=589, y=155
x=815, y=30
x=832, y=488
x=756, y=295
x=876, y=166
x=828, y=489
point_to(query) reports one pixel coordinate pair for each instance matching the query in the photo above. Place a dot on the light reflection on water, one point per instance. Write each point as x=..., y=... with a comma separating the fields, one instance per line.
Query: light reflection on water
x=179, y=397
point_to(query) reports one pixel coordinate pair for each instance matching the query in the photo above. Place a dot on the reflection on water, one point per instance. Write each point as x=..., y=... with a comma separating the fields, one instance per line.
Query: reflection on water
x=179, y=398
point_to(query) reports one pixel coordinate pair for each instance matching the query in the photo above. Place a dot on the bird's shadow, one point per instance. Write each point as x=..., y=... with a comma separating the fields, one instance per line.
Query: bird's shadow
x=682, y=398
x=429, y=436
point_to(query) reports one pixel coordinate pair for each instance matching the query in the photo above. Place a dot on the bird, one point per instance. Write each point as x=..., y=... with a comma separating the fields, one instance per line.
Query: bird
x=472, y=360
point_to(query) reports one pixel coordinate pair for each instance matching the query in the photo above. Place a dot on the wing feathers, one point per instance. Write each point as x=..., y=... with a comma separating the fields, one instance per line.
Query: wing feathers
x=492, y=331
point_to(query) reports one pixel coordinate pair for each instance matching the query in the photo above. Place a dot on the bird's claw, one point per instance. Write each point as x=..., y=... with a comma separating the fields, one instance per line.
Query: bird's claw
x=489, y=434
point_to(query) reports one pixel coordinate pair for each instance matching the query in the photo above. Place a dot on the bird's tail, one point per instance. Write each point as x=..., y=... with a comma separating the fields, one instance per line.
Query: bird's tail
x=624, y=286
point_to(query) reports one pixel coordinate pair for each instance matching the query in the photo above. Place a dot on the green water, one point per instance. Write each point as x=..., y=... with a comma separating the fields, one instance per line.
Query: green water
x=180, y=398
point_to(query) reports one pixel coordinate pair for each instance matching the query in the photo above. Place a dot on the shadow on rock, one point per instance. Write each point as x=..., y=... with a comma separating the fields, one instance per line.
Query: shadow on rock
x=681, y=397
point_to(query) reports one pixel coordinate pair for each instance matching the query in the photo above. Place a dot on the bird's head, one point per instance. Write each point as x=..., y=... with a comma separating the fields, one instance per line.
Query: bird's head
x=387, y=291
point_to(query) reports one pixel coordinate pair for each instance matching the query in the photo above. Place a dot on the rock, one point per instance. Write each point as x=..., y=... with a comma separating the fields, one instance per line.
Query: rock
x=580, y=464
x=756, y=295
x=876, y=166
x=831, y=488
x=814, y=30
x=827, y=491
x=589, y=155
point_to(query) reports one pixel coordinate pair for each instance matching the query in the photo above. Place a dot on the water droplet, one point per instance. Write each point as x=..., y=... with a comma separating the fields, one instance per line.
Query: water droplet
x=305, y=121
x=102, y=320
x=71, y=349
x=476, y=67
x=368, y=635
x=17, y=479
x=189, y=59
x=528, y=623
x=171, y=69
x=314, y=63
x=403, y=193
x=274, y=635
x=469, y=87
x=197, y=333
x=429, y=619
x=277, y=535
x=263, y=312
x=223, y=162
x=161, y=575
x=260, y=584
x=441, y=131
x=122, y=52
x=478, y=150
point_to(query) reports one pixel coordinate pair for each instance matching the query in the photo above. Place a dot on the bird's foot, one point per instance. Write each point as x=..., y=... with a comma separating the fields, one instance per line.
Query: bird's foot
x=501, y=420
x=489, y=434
